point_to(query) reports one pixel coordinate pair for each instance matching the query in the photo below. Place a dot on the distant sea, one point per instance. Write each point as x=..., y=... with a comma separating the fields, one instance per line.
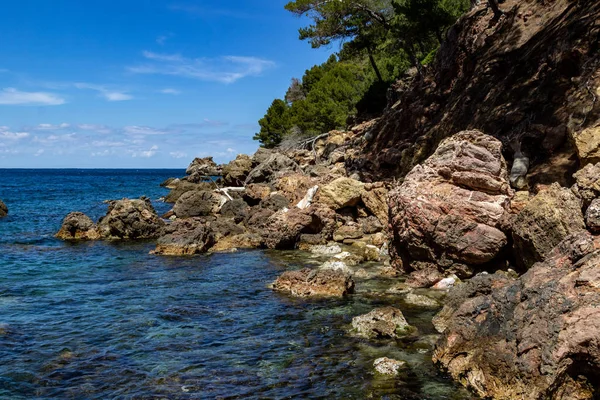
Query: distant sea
x=99, y=320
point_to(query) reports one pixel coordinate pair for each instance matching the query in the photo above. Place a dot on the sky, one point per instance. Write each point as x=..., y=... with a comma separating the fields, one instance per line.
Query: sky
x=141, y=83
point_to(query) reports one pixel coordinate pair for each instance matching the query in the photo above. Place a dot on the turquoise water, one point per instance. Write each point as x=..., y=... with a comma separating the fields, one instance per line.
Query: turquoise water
x=109, y=321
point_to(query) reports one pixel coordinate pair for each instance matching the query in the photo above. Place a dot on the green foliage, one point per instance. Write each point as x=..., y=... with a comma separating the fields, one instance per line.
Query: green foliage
x=274, y=125
x=380, y=40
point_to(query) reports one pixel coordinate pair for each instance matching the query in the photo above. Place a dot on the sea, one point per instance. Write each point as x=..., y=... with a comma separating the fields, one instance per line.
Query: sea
x=108, y=320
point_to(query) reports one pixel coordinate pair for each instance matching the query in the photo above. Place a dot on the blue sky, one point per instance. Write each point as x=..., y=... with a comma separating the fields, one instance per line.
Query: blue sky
x=141, y=83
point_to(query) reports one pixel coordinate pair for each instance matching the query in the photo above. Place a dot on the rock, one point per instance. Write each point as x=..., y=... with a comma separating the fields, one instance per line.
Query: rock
x=203, y=166
x=349, y=258
x=234, y=242
x=385, y=322
x=548, y=218
x=261, y=156
x=182, y=187
x=130, y=219
x=446, y=283
x=196, y=204
x=236, y=209
x=236, y=172
x=342, y=192
x=78, y=226
x=518, y=172
x=535, y=337
x=419, y=300
x=170, y=183
x=294, y=186
x=3, y=209
x=388, y=366
x=275, y=202
x=327, y=250
x=185, y=237
x=348, y=232
x=223, y=227
x=375, y=199
x=256, y=192
x=283, y=229
x=592, y=216
x=273, y=166
x=307, y=282
x=370, y=225
x=335, y=265
x=258, y=219
x=587, y=144
x=449, y=206
x=366, y=251
x=425, y=275
x=588, y=183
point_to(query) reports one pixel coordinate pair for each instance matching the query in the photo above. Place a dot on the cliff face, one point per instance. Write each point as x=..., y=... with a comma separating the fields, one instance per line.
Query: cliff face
x=530, y=79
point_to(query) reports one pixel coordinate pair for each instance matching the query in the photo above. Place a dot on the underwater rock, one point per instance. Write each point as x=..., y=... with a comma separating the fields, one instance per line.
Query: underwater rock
x=388, y=366
x=384, y=322
x=307, y=282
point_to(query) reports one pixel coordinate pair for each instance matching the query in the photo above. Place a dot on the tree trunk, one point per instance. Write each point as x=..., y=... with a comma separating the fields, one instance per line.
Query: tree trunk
x=374, y=64
x=410, y=50
x=494, y=6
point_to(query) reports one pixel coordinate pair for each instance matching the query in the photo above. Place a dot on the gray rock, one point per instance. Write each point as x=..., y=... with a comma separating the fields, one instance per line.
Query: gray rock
x=270, y=168
x=592, y=216
x=197, y=204
x=130, y=219
x=388, y=366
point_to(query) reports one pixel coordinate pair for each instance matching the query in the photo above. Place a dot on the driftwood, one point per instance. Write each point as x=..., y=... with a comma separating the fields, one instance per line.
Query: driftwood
x=307, y=200
x=226, y=191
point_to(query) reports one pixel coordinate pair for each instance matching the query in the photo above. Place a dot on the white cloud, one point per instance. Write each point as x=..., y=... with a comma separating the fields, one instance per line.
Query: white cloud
x=96, y=128
x=103, y=153
x=144, y=130
x=178, y=154
x=170, y=91
x=107, y=143
x=146, y=154
x=162, y=39
x=107, y=93
x=39, y=152
x=12, y=136
x=12, y=96
x=228, y=69
x=50, y=127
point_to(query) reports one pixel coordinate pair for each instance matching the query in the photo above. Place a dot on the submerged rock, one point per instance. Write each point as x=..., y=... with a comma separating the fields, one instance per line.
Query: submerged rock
x=448, y=208
x=3, y=209
x=78, y=226
x=185, y=237
x=388, y=366
x=130, y=219
x=536, y=337
x=385, y=322
x=307, y=282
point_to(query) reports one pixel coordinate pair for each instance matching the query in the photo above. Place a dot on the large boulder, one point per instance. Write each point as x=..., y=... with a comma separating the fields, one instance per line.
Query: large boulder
x=236, y=172
x=307, y=282
x=3, y=209
x=587, y=143
x=130, y=219
x=536, y=337
x=198, y=203
x=203, y=166
x=385, y=322
x=78, y=226
x=447, y=209
x=546, y=220
x=272, y=167
x=236, y=209
x=185, y=237
x=340, y=193
x=261, y=156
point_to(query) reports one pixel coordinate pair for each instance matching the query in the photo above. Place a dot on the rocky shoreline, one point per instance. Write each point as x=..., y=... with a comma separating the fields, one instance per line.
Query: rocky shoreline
x=454, y=218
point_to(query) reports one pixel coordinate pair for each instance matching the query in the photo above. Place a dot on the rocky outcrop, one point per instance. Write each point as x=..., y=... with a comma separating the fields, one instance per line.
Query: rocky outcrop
x=552, y=215
x=283, y=229
x=536, y=337
x=236, y=172
x=236, y=209
x=342, y=192
x=183, y=187
x=374, y=197
x=587, y=185
x=185, y=237
x=307, y=282
x=448, y=209
x=204, y=167
x=385, y=322
x=78, y=226
x=130, y=219
x=3, y=209
x=198, y=203
x=268, y=170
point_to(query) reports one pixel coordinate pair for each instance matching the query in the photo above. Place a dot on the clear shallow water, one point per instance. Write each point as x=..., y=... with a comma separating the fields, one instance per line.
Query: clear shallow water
x=102, y=321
